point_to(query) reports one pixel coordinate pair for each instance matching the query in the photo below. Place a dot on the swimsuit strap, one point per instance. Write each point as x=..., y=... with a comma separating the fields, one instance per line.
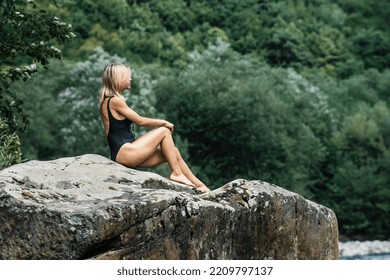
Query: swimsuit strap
x=108, y=107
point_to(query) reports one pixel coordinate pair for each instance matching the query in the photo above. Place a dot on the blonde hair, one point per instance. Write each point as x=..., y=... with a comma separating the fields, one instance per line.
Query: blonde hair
x=114, y=76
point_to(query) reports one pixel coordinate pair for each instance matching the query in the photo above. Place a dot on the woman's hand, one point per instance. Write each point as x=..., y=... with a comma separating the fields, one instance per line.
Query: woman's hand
x=169, y=125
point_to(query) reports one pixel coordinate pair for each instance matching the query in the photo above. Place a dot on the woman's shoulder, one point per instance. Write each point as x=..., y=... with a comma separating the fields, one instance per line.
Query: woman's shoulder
x=117, y=102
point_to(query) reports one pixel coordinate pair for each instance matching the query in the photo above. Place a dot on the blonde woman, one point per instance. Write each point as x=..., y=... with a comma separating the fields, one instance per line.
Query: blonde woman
x=154, y=147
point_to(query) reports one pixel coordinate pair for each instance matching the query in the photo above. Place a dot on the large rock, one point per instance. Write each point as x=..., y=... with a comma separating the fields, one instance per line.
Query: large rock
x=90, y=207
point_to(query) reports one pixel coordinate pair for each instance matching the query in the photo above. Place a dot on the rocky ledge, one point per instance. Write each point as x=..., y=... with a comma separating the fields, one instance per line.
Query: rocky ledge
x=89, y=207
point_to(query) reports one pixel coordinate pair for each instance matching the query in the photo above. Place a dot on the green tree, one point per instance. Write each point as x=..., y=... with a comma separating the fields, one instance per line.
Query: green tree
x=242, y=118
x=42, y=138
x=359, y=190
x=372, y=47
x=29, y=32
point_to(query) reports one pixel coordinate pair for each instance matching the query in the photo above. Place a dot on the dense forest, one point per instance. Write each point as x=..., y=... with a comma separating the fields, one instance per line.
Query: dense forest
x=292, y=92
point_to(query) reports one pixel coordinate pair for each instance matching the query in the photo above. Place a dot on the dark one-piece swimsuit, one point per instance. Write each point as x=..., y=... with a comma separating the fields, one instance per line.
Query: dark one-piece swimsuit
x=119, y=133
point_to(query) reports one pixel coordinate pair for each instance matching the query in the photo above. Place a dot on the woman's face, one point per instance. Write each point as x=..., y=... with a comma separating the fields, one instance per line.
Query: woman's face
x=128, y=81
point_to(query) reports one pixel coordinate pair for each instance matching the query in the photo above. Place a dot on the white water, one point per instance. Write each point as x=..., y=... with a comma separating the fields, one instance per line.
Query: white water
x=365, y=250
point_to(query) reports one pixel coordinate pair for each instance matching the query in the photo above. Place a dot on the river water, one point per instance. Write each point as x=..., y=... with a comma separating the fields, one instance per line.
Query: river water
x=365, y=250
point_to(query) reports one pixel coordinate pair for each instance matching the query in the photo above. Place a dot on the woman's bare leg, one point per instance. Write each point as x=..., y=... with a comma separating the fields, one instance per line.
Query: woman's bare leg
x=144, y=148
x=158, y=158
x=188, y=173
x=155, y=159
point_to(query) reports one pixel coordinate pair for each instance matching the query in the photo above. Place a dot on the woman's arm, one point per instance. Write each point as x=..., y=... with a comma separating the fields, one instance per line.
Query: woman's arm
x=120, y=106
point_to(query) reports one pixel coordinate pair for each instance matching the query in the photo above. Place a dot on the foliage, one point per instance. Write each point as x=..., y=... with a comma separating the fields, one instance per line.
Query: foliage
x=234, y=110
x=9, y=146
x=42, y=138
x=361, y=171
x=25, y=31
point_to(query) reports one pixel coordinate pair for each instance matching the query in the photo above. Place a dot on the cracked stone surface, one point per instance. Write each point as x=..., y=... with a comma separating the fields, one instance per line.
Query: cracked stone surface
x=89, y=207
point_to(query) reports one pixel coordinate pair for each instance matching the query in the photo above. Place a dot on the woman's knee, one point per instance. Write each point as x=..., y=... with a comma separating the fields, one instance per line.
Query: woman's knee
x=164, y=130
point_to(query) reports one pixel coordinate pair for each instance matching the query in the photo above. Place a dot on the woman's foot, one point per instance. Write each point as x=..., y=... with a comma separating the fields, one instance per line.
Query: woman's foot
x=181, y=179
x=203, y=188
